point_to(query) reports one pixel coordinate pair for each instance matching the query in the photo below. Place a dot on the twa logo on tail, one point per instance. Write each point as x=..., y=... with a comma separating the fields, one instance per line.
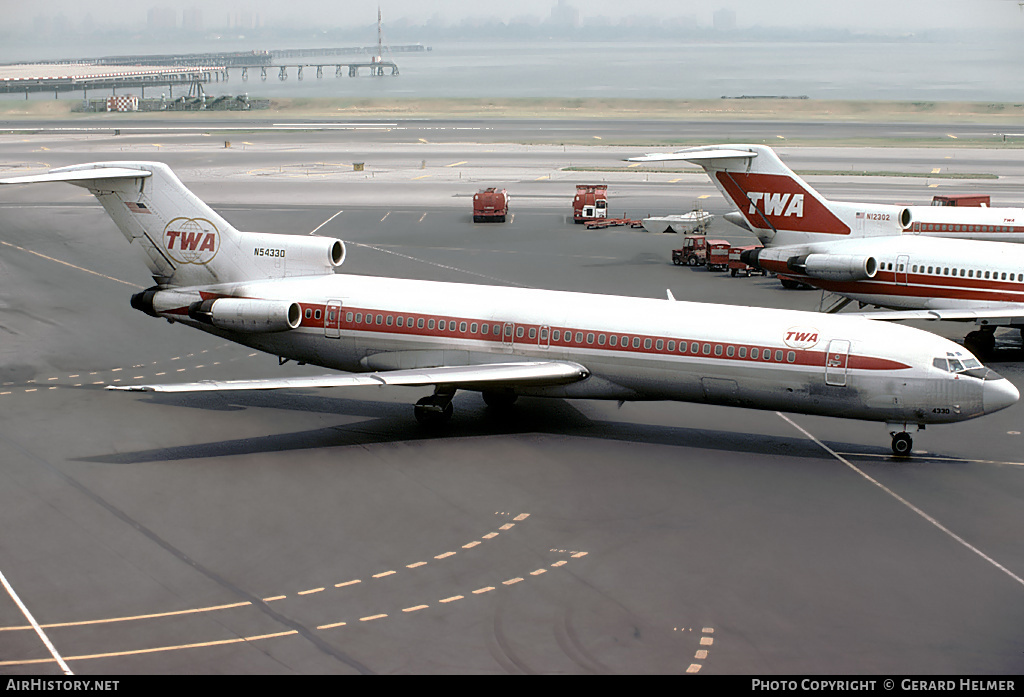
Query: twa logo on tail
x=191, y=240
x=780, y=202
x=775, y=204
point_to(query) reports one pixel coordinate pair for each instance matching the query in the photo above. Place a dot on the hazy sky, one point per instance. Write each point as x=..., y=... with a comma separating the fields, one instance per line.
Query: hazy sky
x=877, y=16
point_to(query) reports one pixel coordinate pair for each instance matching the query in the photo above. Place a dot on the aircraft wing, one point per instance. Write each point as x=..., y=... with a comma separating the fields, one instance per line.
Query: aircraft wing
x=533, y=373
x=991, y=316
x=88, y=174
x=696, y=155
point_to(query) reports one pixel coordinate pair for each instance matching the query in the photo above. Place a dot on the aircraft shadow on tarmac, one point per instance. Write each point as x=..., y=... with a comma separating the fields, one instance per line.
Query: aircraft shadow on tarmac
x=390, y=422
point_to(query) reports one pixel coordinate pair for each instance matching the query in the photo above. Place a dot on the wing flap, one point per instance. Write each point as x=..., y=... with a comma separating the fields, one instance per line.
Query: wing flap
x=535, y=373
x=993, y=316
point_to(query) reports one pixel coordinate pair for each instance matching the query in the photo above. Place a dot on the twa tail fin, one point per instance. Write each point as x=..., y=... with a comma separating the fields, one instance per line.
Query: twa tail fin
x=184, y=241
x=770, y=196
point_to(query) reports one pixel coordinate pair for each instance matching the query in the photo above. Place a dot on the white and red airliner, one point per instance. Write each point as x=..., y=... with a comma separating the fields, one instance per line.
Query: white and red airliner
x=281, y=294
x=875, y=254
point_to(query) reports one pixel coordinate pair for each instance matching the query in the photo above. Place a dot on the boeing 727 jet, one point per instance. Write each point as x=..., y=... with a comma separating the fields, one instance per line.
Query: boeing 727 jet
x=283, y=294
x=875, y=254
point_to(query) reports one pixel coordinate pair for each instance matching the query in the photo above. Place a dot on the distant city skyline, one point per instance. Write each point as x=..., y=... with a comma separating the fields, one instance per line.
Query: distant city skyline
x=874, y=16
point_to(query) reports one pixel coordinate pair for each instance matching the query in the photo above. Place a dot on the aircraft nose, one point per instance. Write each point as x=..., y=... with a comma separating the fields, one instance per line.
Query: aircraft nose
x=998, y=394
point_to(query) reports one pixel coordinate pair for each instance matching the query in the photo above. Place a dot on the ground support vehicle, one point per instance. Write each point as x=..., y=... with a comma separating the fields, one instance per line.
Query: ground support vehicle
x=738, y=266
x=975, y=200
x=490, y=205
x=614, y=222
x=591, y=202
x=696, y=250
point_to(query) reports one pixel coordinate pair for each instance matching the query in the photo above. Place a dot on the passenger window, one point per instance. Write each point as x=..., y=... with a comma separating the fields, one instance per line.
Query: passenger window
x=694, y=347
x=778, y=355
x=613, y=340
x=555, y=335
x=659, y=344
x=430, y=324
x=791, y=357
x=473, y=328
x=766, y=354
x=753, y=353
x=533, y=332
x=380, y=319
x=718, y=349
x=419, y=323
x=579, y=337
x=636, y=342
x=600, y=339
x=348, y=317
x=462, y=327
x=743, y=352
x=647, y=343
x=707, y=349
x=442, y=325
x=730, y=351
x=519, y=332
x=391, y=320
x=400, y=321
x=316, y=315
x=309, y=313
x=590, y=338
x=671, y=346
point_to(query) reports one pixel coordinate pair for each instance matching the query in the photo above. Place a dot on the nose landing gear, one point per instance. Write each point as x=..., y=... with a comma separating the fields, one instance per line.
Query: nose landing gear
x=902, y=442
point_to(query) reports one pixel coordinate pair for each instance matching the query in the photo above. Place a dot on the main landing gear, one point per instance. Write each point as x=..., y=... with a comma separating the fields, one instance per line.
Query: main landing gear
x=982, y=341
x=436, y=410
x=902, y=443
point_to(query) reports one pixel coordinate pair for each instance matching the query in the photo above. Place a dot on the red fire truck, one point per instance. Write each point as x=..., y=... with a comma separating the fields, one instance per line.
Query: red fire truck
x=490, y=205
x=591, y=202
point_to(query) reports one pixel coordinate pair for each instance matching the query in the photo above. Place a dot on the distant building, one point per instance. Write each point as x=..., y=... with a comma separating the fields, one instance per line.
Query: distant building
x=565, y=15
x=192, y=19
x=162, y=18
x=245, y=19
x=724, y=20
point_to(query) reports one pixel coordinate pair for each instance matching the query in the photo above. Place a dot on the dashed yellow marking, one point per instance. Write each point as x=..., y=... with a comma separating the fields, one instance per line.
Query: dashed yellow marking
x=332, y=626
x=456, y=164
x=521, y=517
x=373, y=617
x=694, y=668
x=507, y=526
x=701, y=654
x=453, y=599
x=347, y=583
x=422, y=176
x=490, y=535
x=635, y=164
x=936, y=170
x=561, y=562
x=415, y=608
x=546, y=176
x=444, y=556
x=469, y=545
x=384, y=573
x=486, y=589
x=538, y=572
x=311, y=591
x=274, y=597
x=417, y=564
x=673, y=181
x=511, y=581
x=706, y=641
x=579, y=555
x=596, y=137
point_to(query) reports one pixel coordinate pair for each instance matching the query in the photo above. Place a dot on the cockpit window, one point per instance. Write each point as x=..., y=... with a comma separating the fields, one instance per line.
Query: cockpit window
x=956, y=363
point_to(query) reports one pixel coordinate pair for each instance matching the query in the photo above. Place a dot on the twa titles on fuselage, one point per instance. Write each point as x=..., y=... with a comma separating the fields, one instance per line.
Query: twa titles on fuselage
x=876, y=254
x=281, y=294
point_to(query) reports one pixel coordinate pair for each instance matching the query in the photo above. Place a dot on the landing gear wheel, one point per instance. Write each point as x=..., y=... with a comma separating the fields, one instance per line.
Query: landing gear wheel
x=500, y=401
x=434, y=411
x=902, y=444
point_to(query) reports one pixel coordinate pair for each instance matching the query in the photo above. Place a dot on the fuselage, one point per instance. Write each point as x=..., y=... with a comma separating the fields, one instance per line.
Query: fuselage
x=633, y=348
x=918, y=272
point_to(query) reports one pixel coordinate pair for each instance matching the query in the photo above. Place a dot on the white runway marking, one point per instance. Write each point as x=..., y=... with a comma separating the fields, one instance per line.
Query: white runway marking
x=327, y=221
x=35, y=626
x=906, y=503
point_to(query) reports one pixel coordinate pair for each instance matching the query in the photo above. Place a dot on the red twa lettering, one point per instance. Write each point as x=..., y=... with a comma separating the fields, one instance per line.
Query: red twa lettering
x=190, y=241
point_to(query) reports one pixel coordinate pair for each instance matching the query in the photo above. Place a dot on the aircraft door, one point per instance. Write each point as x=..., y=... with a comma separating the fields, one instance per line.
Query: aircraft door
x=902, y=268
x=508, y=336
x=332, y=319
x=544, y=337
x=836, y=362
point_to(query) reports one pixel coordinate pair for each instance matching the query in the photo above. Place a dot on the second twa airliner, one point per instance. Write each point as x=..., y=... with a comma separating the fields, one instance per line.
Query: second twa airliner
x=281, y=294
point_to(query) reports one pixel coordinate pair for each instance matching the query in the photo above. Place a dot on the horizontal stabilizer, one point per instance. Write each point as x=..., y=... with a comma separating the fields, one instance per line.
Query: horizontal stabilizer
x=696, y=155
x=79, y=175
x=534, y=373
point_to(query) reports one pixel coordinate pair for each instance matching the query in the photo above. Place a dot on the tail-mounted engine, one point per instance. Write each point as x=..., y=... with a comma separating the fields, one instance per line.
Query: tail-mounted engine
x=247, y=315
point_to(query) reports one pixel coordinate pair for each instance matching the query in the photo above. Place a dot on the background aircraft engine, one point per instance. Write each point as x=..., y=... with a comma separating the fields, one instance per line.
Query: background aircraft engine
x=247, y=315
x=835, y=267
x=906, y=218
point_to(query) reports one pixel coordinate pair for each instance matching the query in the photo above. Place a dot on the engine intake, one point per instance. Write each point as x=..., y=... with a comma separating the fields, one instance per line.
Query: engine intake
x=247, y=315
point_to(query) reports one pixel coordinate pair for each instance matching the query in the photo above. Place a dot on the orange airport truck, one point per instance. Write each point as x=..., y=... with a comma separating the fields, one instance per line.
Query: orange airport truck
x=698, y=250
x=591, y=202
x=738, y=266
x=976, y=200
x=490, y=205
